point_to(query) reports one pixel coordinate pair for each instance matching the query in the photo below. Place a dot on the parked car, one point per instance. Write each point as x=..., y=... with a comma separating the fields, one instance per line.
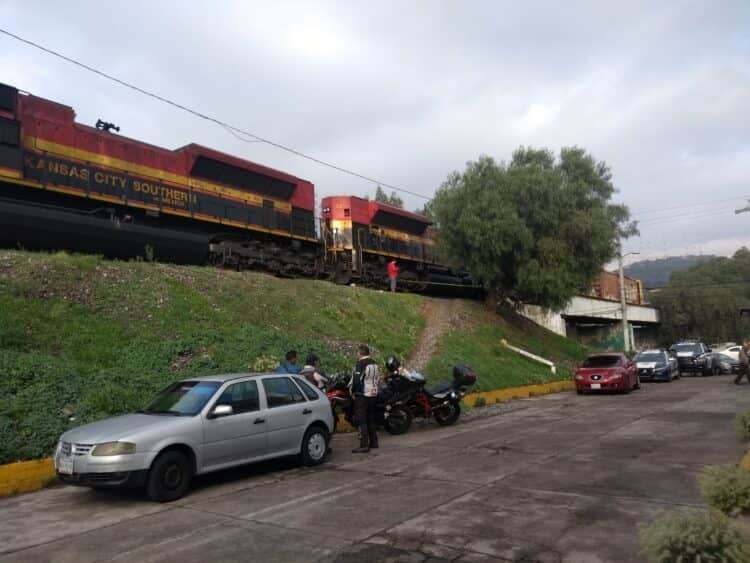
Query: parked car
x=197, y=426
x=691, y=357
x=656, y=365
x=610, y=371
x=721, y=363
x=733, y=351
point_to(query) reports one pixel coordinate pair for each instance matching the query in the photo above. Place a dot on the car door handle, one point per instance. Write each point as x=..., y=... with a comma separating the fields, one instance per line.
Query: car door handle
x=307, y=411
x=259, y=421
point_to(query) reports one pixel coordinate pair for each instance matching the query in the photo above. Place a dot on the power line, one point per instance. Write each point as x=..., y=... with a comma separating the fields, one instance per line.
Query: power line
x=196, y=113
x=702, y=204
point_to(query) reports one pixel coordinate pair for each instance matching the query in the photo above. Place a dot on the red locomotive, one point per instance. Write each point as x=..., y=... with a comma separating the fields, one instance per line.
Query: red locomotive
x=64, y=185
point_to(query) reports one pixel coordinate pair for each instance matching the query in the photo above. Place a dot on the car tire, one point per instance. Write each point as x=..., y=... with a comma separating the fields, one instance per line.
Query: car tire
x=626, y=388
x=314, y=447
x=169, y=477
x=580, y=391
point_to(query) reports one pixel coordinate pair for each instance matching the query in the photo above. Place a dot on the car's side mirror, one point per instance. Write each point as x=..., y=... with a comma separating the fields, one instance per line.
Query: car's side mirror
x=221, y=410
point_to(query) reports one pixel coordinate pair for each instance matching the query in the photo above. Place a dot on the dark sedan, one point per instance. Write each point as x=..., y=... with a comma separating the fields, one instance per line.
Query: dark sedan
x=655, y=365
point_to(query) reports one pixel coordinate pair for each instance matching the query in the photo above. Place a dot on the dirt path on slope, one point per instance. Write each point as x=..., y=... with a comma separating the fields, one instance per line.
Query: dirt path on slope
x=441, y=316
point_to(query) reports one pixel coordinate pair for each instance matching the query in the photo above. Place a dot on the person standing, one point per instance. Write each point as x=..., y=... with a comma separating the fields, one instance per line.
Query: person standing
x=289, y=365
x=364, y=388
x=744, y=363
x=311, y=371
x=393, y=273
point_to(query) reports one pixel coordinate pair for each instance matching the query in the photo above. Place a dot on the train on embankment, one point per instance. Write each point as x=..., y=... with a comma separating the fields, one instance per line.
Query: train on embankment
x=68, y=186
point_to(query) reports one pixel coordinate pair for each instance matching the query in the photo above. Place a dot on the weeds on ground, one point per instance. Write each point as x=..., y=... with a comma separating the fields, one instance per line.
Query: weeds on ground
x=726, y=488
x=678, y=537
x=742, y=424
x=480, y=402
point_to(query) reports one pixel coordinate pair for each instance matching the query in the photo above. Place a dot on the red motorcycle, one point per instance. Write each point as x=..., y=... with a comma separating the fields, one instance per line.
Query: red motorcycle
x=390, y=411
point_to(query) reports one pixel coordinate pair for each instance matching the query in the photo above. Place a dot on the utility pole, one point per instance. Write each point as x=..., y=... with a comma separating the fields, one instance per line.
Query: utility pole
x=624, y=306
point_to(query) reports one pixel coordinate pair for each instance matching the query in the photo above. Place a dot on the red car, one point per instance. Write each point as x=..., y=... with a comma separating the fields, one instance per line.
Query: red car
x=607, y=372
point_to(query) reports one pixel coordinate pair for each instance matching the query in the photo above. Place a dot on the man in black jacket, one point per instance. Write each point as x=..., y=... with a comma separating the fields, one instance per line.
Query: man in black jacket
x=364, y=388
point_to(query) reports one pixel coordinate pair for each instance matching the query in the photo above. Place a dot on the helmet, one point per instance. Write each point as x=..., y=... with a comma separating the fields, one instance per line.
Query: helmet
x=392, y=363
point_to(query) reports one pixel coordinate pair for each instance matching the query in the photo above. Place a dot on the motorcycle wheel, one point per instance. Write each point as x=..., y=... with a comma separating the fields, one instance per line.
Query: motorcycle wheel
x=398, y=421
x=448, y=414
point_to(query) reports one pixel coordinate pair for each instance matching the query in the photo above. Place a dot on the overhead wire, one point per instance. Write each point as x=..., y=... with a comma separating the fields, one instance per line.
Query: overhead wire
x=215, y=120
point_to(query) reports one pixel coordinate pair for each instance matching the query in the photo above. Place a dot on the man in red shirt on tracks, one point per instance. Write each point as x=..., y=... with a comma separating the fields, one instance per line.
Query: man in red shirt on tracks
x=392, y=274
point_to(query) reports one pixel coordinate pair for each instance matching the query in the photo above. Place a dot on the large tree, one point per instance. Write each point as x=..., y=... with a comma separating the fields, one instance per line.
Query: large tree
x=538, y=229
x=393, y=199
x=704, y=301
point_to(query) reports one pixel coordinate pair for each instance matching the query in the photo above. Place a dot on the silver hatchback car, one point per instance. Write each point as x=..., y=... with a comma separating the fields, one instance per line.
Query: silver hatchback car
x=197, y=426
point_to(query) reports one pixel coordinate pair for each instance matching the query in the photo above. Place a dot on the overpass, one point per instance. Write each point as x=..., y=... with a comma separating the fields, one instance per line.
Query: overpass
x=598, y=322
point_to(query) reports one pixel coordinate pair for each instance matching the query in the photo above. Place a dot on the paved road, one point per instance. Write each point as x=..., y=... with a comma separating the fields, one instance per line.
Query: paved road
x=555, y=478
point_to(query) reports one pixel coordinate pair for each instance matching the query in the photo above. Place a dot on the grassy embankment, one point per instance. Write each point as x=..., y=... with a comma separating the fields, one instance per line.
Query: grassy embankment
x=476, y=341
x=82, y=338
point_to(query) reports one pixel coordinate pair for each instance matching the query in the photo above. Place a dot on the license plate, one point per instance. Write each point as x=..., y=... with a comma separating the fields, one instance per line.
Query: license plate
x=65, y=465
x=596, y=385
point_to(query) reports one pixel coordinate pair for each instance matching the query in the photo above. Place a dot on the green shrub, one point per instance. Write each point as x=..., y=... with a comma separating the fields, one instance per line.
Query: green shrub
x=742, y=424
x=676, y=537
x=480, y=402
x=726, y=488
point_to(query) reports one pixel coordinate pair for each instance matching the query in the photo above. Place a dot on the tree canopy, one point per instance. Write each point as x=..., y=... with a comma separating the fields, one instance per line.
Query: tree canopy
x=393, y=199
x=704, y=301
x=538, y=229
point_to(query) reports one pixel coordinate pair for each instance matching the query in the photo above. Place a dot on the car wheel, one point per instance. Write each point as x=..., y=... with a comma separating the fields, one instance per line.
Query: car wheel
x=716, y=370
x=447, y=415
x=314, y=447
x=169, y=477
x=398, y=421
x=580, y=391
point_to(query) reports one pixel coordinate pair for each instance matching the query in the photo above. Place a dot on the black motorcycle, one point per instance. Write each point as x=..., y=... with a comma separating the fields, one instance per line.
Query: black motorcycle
x=441, y=401
x=390, y=411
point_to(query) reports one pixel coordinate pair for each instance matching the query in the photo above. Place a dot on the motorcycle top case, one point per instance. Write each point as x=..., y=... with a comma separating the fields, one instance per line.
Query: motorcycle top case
x=464, y=375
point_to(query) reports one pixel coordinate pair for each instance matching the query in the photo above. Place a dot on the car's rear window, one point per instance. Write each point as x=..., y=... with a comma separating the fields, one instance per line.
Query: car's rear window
x=602, y=361
x=653, y=357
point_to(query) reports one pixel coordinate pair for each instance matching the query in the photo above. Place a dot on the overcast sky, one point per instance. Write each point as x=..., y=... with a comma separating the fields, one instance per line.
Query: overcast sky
x=407, y=92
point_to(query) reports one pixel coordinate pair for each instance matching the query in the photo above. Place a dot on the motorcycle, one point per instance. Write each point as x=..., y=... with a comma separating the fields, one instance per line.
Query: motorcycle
x=441, y=401
x=390, y=411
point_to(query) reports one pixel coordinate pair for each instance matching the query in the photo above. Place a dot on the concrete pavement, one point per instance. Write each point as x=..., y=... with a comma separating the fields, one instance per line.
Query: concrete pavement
x=555, y=478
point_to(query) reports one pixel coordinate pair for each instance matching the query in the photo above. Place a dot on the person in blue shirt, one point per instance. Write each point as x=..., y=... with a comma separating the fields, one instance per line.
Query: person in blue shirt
x=289, y=365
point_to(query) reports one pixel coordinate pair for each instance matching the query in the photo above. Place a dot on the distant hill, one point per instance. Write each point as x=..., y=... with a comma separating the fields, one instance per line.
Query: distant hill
x=655, y=273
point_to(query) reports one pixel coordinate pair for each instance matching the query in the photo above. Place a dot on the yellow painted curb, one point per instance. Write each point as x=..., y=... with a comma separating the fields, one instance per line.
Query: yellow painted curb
x=745, y=463
x=25, y=476
x=343, y=426
x=500, y=395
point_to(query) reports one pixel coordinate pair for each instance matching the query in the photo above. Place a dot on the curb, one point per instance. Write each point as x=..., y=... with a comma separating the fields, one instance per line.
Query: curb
x=745, y=462
x=26, y=476
x=500, y=395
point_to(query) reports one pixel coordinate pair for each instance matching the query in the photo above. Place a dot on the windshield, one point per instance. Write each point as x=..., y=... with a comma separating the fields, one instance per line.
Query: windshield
x=692, y=348
x=652, y=357
x=602, y=361
x=184, y=398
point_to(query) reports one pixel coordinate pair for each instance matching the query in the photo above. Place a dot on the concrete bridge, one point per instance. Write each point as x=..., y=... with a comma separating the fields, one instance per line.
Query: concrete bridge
x=598, y=322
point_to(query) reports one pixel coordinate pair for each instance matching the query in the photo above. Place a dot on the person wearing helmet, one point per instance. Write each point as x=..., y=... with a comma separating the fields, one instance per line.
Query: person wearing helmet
x=311, y=371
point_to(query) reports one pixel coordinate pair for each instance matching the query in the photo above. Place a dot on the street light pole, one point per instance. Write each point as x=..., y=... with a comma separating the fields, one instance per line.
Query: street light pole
x=624, y=306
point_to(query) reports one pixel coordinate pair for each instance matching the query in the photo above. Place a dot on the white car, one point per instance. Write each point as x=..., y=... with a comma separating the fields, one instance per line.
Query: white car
x=732, y=351
x=197, y=426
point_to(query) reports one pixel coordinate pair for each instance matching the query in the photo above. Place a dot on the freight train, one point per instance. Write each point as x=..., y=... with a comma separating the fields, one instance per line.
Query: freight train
x=68, y=186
